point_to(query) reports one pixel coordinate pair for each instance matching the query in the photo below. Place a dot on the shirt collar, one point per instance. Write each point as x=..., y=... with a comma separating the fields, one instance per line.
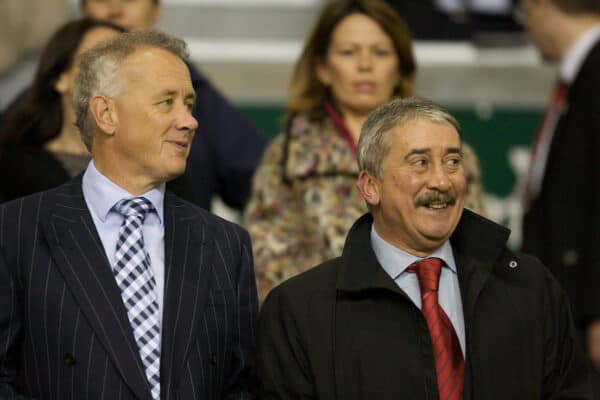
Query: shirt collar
x=101, y=194
x=395, y=261
x=576, y=54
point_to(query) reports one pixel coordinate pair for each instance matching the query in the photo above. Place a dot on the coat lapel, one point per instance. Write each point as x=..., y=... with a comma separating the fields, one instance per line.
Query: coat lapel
x=360, y=270
x=79, y=255
x=187, y=265
x=475, y=258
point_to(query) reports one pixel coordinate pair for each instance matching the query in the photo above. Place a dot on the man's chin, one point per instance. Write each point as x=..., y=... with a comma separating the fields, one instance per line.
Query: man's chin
x=174, y=173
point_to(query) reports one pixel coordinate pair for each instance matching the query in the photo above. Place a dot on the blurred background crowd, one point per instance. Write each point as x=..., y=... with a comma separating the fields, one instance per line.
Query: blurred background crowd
x=283, y=88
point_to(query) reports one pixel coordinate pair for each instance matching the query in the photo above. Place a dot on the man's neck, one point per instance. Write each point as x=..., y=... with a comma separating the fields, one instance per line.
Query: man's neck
x=129, y=181
x=573, y=28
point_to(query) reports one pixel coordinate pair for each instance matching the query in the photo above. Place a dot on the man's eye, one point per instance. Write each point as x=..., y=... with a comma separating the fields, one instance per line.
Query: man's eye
x=454, y=162
x=166, y=102
x=190, y=106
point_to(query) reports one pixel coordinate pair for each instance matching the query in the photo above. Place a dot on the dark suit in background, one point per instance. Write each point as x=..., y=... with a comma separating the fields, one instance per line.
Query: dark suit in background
x=225, y=152
x=562, y=224
x=27, y=170
x=63, y=326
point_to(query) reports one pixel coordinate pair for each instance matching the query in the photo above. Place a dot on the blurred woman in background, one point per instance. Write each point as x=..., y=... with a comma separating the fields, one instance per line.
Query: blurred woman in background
x=40, y=146
x=358, y=56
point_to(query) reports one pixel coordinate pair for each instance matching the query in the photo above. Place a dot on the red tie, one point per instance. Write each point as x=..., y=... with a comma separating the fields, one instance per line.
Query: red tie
x=449, y=362
x=541, y=143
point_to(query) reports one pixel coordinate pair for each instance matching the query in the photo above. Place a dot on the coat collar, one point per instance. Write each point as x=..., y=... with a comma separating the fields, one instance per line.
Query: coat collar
x=315, y=148
x=587, y=72
x=474, y=257
x=79, y=255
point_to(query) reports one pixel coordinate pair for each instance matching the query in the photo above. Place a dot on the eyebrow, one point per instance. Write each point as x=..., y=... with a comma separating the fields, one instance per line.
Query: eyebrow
x=190, y=95
x=450, y=150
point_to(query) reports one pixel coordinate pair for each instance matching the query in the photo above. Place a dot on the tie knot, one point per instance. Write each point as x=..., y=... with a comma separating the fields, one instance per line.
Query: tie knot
x=137, y=207
x=428, y=271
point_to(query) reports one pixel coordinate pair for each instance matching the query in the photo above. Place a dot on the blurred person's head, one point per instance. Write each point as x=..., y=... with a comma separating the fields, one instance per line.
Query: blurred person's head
x=554, y=25
x=48, y=104
x=133, y=100
x=411, y=173
x=131, y=15
x=592, y=341
x=358, y=56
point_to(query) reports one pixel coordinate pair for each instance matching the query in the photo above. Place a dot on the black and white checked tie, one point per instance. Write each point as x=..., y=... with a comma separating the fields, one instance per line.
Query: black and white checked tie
x=136, y=281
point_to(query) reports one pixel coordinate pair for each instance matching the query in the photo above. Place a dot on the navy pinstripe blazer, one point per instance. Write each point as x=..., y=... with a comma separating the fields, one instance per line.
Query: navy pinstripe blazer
x=64, y=331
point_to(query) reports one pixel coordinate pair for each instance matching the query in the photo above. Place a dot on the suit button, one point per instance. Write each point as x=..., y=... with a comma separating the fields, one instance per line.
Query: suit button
x=213, y=359
x=70, y=359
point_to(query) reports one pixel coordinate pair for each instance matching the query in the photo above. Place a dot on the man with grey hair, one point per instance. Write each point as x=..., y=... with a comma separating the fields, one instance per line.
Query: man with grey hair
x=228, y=146
x=112, y=288
x=426, y=301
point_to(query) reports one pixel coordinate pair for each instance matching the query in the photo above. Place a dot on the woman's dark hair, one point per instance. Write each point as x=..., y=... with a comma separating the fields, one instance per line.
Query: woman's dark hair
x=36, y=116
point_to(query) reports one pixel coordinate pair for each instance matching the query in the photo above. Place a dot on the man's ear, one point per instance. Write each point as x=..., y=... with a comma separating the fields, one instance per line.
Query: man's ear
x=369, y=188
x=104, y=113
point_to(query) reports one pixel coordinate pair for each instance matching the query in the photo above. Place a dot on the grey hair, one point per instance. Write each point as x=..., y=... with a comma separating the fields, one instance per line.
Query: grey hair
x=373, y=144
x=99, y=67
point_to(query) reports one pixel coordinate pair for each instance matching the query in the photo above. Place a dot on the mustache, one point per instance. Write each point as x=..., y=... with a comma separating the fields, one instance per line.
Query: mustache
x=436, y=196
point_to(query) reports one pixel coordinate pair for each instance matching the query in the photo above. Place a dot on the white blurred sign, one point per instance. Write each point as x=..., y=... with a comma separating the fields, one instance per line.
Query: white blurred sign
x=499, y=7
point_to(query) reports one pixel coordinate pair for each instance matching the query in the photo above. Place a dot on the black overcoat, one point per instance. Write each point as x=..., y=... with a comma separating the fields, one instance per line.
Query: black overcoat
x=344, y=330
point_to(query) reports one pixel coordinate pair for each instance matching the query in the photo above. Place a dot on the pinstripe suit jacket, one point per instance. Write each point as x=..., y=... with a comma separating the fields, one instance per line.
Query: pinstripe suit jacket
x=64, y=331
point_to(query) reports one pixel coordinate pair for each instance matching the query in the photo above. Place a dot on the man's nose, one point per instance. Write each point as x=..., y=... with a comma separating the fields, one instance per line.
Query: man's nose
x=438, y=178
x=186, y=120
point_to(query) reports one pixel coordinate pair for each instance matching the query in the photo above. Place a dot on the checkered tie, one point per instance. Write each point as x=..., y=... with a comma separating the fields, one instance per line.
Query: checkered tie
x=136, y=281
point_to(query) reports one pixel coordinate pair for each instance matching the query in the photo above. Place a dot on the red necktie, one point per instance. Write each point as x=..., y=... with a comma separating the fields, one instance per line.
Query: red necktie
x=541, y=142
x=449, y=362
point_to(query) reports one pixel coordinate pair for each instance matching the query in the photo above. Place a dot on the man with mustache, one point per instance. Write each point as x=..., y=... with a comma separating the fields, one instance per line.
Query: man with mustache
x=426, y=301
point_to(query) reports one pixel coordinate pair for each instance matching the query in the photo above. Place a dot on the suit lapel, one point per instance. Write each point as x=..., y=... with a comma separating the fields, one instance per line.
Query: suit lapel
x=187, y=264
x=78, y=253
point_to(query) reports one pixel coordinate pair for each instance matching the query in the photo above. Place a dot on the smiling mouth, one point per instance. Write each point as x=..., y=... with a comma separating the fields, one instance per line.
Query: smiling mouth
x=182, y=144
x=437, y=206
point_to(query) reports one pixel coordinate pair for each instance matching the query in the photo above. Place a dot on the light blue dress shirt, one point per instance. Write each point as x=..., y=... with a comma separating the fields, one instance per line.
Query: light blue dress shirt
x=100, y=195
x=395, y=261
